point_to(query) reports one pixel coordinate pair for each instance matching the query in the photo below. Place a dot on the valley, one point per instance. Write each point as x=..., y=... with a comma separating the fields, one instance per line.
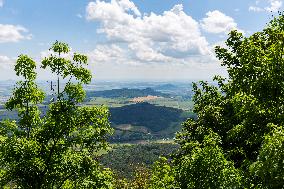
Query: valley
x=144, y=116
x=139, y=111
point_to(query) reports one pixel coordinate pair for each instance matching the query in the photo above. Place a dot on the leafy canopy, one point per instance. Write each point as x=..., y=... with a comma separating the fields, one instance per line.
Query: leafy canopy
x=237, y=139
x=53, y=149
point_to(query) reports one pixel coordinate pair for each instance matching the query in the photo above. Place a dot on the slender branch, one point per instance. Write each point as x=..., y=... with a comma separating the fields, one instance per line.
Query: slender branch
x=27, y=113
x=58, y=88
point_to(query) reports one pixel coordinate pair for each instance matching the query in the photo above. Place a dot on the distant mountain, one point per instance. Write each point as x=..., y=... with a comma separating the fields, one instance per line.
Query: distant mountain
x=166, y=87
x=126, y=93
x=155, y=118
x=183, y=90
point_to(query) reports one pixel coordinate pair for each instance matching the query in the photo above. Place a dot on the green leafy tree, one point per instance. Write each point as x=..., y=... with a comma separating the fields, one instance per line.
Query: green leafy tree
x=270, y=165
x=204, y=165
x=163, y=175
x=140, y=179
x=232, y=143
x=54, y=149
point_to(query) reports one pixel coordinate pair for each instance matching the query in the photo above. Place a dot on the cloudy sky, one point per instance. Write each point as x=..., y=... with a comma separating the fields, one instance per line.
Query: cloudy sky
x=130, y=39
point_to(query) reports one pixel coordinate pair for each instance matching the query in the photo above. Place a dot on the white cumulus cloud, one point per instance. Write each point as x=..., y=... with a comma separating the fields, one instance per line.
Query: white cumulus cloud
x=217, y=22
x=271, y=6
x=255, y=9
x=274, y=6
x=107, y=53
x=1, y=3
x=13, y=33
x=6, y=62
x=172, y=36
x=4, y=59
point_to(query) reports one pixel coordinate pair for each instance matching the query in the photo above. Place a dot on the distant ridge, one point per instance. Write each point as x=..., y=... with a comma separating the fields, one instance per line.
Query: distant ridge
x=126, y=93
x=166, y=87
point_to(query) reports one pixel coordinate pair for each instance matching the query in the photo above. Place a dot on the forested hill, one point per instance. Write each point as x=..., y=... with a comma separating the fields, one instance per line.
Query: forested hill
x=155, y=118
x=126, y=93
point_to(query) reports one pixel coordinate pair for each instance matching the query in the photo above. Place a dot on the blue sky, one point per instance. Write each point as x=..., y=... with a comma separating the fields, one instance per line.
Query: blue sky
x=130, y=39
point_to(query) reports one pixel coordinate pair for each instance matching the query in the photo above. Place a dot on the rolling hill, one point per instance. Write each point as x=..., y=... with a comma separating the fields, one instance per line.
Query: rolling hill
x=126, y=93
x=155, y=118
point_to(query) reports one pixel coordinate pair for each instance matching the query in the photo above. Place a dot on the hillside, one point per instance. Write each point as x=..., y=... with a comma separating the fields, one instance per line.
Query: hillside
x=126, y=93
x=155, y=118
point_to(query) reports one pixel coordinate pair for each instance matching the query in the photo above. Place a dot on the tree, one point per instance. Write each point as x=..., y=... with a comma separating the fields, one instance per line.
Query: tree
x=163, y=175
x=54, y=149
x=270, y=165
x=203, y=164
x=232, y=143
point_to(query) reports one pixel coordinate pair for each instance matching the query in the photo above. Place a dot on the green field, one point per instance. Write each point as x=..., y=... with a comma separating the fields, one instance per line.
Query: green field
x=109, y=102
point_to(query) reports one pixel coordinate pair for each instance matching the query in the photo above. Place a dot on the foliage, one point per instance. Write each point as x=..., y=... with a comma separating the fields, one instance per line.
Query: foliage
x=140, y=180
x=163, y=175
x=123, y=159
x=270, y=165
x=233, y=144
x=54, y=150
x=204, y=165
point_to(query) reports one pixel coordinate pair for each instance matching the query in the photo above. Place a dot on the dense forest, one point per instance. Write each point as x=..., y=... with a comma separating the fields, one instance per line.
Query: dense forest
x=235, y=142
x=125, y=159
x=145, y=114
x=145, y=121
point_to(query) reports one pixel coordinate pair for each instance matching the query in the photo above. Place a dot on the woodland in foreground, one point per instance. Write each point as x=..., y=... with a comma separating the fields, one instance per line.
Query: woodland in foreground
x=235, y=142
